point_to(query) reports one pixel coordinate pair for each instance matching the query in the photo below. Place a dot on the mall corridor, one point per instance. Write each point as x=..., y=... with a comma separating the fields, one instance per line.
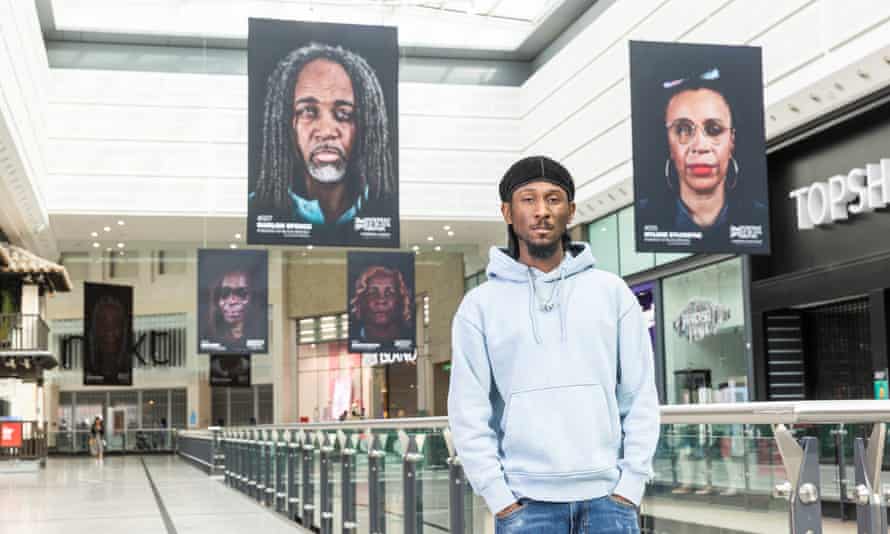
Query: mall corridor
x=127, y=494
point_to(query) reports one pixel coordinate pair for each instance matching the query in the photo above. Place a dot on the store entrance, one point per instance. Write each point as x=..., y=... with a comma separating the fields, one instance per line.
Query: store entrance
x=820, y=352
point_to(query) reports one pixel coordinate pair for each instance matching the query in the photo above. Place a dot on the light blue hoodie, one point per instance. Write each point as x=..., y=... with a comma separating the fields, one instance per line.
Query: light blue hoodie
x=553, y=406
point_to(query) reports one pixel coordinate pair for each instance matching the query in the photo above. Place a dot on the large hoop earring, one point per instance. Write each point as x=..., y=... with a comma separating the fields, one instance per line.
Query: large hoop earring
x=735, y=166
x=667, y=173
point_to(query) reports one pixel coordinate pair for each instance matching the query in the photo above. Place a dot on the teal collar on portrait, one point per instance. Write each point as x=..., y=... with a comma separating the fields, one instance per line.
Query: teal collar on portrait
x=310, y=210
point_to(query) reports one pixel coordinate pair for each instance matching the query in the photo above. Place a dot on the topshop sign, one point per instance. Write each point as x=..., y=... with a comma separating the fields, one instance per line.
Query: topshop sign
x=859, y=191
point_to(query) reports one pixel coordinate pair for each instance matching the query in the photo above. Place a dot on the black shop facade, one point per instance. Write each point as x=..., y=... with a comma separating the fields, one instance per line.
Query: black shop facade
x=819, y=302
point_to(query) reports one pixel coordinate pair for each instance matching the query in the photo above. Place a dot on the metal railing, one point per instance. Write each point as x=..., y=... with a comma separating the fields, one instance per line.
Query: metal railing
x=22, y=440
x=779, y=461
x=131, y=441
x=23, y=333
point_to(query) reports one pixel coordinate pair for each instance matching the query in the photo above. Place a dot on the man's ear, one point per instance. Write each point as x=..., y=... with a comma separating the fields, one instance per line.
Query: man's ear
x=505, y=211
x=571, y=211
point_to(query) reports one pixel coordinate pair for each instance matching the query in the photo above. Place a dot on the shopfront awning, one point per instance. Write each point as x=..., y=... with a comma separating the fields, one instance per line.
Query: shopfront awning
x=18, y=261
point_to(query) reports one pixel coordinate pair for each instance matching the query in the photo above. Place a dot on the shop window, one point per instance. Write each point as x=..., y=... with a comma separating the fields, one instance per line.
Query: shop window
x=603, y=236
x=704, y=333
x=265, y=404
x=630, y=260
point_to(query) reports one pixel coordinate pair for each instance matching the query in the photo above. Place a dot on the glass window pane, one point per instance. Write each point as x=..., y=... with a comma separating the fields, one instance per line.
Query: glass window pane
x=704, y=335
x=178, y=411
x=604, y=243
x=631, y=260
x=662, y=258
x=266, y=400
x=154, y=409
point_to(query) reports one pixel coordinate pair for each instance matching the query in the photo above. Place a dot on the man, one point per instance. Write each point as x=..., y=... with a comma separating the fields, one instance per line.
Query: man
x=382, y=307
x=552, y=404
x=326, y=154
x=230, y=324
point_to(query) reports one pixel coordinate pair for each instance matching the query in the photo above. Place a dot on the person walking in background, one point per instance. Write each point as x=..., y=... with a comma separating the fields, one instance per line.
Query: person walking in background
x=552, y=402
x=97, y=437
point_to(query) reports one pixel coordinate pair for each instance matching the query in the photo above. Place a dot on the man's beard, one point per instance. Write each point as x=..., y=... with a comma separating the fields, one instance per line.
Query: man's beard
x=327, y=173
x=543, y=252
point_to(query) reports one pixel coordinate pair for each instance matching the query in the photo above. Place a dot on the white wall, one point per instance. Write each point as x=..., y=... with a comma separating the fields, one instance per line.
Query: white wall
x=133, y=138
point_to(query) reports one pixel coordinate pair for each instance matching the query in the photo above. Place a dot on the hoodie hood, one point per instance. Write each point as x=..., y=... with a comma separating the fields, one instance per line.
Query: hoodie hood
x=502, y=266
x=578, y=259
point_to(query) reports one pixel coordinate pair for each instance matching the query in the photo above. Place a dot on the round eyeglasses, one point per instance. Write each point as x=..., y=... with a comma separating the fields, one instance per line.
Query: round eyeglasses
x=684, y=130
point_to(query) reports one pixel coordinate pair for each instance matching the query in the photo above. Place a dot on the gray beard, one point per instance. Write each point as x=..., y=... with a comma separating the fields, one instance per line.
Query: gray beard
x=326, y=174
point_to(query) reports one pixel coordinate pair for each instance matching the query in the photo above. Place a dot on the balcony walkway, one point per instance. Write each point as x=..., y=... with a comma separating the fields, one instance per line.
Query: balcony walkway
x=77, y=496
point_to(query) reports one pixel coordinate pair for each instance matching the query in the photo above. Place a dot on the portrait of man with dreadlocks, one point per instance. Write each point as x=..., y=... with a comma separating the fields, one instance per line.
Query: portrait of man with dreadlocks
x=326, y=168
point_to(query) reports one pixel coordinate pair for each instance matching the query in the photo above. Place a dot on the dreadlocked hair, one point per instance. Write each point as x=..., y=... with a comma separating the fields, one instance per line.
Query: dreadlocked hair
x=371, y=159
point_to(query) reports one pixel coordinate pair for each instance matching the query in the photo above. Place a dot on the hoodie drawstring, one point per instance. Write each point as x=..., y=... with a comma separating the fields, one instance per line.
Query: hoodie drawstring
x=533, y=299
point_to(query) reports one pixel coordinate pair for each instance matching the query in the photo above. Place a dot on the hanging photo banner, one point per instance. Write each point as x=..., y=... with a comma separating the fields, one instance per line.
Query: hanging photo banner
x=230, y=370
x=108, y=335
x=233, y=301
x=381, y=307
x=322, y=134
x=699, y=153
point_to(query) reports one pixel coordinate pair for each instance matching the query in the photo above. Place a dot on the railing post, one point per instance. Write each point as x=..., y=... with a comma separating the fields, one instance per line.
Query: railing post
x=308, y=493
x=269, y=481
x=411, y=484
x=240, y=470
x=280, y=472
x=293, y=483
x=871, y=515
x=841, y=460
x=327, y=488
x=376, y=484
x=348, y=448
x=802, y=490
x=254, y=465
x=457, y=488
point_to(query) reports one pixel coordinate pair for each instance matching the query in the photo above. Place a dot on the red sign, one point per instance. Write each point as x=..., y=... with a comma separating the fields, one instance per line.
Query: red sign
x=10, y=435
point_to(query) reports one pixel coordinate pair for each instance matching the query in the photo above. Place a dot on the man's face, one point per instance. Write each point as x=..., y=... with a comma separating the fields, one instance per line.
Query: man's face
x=233, y=297
x=109, y=328
x=380, y=300
x=700, y=137
x=539, y=212
x=324, y=119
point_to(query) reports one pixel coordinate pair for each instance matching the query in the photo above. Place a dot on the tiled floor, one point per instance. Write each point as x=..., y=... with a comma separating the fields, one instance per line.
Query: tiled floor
x=75, y=495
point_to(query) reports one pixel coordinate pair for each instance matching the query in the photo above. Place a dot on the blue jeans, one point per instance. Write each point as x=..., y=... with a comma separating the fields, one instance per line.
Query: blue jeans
x=596, y=516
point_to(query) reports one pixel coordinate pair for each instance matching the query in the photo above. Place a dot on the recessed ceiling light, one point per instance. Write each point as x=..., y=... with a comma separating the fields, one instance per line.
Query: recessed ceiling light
x=107, y=228
x=122, y=253
x=94, y=234
x=95, y=245
x=310, y=247
x=446, y=228
x=450, y=233
x=233, y=245
x=237, y=236
x=438, y=248
x=120, y=245
x=109, y=249
x=429, y=238
x=415, y=248
x=120, y=223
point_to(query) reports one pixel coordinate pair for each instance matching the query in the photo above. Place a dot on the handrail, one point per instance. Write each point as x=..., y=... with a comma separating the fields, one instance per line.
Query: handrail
x=755, y=413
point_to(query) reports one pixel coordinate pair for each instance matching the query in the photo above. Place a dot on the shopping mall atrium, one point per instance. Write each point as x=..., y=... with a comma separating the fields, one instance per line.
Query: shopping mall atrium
x=467, y=266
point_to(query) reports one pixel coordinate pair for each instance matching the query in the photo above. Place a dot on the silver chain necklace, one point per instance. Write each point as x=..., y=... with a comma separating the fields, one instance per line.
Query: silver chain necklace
x=548, y=304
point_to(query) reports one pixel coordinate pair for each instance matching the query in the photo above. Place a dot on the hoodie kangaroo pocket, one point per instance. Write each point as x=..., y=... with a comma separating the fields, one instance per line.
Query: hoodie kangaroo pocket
x=560, y=430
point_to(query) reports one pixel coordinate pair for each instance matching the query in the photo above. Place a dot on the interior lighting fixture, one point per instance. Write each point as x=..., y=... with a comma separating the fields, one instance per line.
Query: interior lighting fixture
x=233, y=245
x=120, y=245
x=438, y=248
x=450, y=233
x=415, y=248
x=429, y=238
x=94, y=234
x=120, y=223
x=95, y=245
x=107, y=228
x=309, y=247
x=237, y=236
x=446, y=228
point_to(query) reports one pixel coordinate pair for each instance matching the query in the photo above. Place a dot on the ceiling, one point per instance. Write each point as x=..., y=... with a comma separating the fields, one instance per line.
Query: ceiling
x=74, y=233
x=491, y=29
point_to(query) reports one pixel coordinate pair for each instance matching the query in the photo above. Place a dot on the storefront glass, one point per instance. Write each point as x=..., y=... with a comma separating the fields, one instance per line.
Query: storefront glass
x=704, y=335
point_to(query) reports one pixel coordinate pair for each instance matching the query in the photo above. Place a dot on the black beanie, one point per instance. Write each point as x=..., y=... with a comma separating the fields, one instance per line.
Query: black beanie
x=532, y=169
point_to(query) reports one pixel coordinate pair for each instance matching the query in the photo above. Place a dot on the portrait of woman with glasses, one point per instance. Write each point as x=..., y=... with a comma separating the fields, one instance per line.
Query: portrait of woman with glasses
x=233, y=299
x=704, y=184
